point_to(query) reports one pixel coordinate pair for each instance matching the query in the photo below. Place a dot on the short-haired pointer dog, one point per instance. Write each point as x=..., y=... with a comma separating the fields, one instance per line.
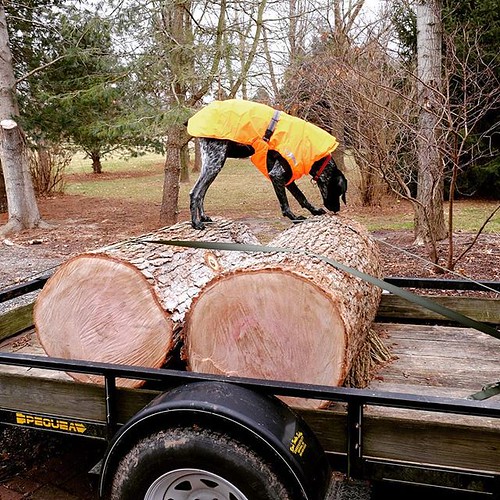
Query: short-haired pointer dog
x=270, y=147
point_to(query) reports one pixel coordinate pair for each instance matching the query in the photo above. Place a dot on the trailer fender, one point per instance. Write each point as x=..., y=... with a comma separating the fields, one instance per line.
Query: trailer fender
x=262, y=423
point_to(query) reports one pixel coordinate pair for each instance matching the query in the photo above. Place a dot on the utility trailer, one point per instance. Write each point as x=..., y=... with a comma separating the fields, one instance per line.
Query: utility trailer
x=184, y=433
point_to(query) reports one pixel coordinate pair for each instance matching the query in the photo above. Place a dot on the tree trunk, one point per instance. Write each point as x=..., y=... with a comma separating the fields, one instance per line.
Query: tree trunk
x=22, y=206
x=8, y=103
x=429, y=215
x=125, y=303
x=169, y=210
x=184, y=164
x=288, y=316
x=95, y=156
x=338, y=131
x=197, y=156
x=3, y=193
x=41, y=175
x=21, y=201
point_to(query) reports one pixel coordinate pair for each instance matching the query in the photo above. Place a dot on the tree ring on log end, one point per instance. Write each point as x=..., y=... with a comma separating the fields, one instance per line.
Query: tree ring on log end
x=101, y=309
x=272, y=324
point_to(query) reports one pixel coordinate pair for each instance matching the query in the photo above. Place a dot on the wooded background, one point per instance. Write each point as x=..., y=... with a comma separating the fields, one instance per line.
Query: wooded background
x=410, y=88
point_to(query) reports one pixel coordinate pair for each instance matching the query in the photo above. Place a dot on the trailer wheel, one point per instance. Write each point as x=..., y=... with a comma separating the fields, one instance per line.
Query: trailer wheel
x=195, y=463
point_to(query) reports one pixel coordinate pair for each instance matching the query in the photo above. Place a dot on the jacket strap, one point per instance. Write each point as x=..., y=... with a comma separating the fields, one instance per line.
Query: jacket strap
x=272, y=125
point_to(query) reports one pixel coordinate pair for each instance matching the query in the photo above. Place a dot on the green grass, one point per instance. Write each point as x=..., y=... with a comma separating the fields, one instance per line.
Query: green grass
x=469, y=216
x=138, y=178
x=242, y=191
x=80, y=164
x=238, y=188
x=133, y=188
x=388, y=222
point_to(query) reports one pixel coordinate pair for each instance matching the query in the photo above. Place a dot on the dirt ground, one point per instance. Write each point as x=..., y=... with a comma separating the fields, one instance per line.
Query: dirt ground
x=56, y=468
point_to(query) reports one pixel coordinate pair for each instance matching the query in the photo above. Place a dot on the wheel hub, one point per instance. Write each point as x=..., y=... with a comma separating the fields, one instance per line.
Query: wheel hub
x=192, y=484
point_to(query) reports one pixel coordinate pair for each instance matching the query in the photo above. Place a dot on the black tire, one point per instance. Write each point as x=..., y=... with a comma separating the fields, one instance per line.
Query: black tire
x=177, y=462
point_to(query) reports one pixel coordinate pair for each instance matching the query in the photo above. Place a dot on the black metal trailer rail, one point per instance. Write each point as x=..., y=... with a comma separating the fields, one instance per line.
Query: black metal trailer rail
x=444, y=284
x=15, y=291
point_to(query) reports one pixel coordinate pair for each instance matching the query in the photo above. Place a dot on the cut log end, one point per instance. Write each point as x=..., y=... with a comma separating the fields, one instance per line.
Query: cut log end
x=110, y=316
x=242, y=325
x=8, y=124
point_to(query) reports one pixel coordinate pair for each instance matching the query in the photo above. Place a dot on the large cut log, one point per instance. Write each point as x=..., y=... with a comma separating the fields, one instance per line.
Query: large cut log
x=288, y=316
x=122, y=304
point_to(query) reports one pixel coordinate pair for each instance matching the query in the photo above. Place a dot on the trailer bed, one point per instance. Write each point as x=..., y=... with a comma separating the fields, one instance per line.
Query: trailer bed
x=431, y=359
x=438, y=361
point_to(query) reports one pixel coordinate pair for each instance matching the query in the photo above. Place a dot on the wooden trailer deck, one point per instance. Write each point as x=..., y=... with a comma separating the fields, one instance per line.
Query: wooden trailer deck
x=429, y=360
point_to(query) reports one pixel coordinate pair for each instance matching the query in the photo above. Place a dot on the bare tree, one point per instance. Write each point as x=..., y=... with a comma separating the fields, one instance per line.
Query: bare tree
x=48, y=162
x=175, y=34
x=340, y=87
x=390, y=127
x=471, y=92
x=197, y=56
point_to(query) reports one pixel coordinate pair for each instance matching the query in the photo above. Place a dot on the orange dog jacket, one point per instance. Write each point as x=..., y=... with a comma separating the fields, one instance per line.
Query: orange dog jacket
x=299, y=142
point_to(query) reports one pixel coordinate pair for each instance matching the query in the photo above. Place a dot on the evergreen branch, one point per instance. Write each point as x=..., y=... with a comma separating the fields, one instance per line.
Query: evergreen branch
x=40, y=68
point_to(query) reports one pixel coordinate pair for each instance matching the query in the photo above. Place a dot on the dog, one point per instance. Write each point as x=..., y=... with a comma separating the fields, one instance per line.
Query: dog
x=283, y=147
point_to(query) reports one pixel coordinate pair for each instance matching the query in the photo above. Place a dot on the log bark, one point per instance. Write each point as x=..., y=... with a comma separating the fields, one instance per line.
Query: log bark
x=123, y=303
x=286, y=316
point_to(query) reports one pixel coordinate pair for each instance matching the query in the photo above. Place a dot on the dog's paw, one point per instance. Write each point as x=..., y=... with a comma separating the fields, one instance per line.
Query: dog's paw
x=318, y=211
x=198, y=225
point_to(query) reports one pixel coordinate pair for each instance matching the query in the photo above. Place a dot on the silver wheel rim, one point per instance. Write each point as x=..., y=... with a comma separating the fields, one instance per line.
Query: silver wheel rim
x=192, y=484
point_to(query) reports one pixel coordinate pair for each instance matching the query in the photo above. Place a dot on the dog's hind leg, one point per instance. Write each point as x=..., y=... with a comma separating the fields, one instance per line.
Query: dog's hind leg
x=213, y=156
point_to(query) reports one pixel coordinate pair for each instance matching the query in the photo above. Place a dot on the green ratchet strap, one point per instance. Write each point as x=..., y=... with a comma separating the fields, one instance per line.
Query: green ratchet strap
x=416, y=299
x=486, y=392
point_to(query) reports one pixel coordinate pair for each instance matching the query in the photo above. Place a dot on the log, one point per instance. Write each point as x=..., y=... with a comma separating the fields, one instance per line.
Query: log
x=286, y=316
x=123, y=303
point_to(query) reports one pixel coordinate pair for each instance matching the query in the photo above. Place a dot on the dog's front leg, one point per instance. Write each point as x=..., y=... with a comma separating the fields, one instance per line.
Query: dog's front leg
x=301, y=198
x=279, y=189
x=197, y=197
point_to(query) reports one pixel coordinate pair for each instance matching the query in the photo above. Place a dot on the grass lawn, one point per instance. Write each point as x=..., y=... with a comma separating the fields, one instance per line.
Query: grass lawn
x=242, y=191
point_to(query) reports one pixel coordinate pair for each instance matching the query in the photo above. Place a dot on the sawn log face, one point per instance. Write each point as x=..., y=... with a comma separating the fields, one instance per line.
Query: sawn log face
x=122, y=304
x=288, y=316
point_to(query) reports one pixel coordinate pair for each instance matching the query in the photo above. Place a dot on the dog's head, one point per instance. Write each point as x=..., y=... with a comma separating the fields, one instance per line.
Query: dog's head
x=333, y=186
